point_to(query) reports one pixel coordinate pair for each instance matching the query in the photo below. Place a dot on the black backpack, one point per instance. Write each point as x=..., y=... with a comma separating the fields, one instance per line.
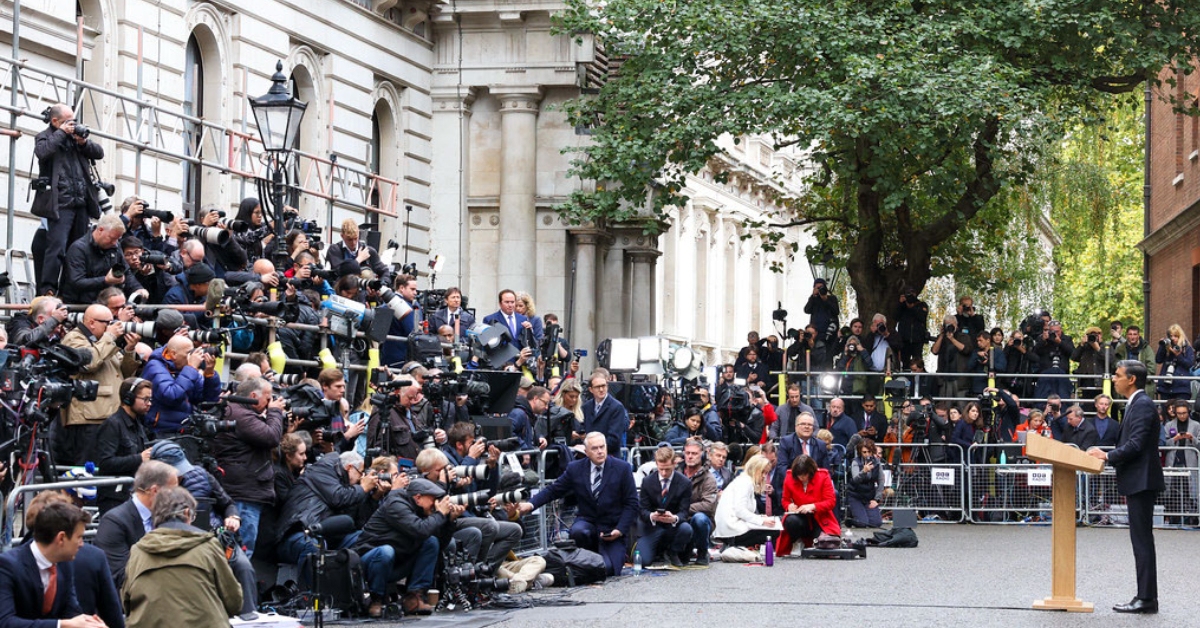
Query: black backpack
x=342, y=583
x=573, y=566
x=896, y=537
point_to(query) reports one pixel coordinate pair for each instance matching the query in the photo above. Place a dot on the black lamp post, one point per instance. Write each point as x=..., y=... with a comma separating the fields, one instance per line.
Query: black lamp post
x=277, y=115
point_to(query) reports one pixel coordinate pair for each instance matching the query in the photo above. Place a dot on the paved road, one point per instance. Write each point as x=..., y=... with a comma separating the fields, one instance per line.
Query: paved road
x=980, y=575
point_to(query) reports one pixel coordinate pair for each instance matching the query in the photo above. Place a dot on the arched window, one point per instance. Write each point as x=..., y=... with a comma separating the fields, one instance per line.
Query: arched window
x=193, y=105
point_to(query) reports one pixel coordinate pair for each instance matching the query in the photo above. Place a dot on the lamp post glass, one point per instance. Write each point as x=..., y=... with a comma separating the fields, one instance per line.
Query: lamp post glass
x=278, y=114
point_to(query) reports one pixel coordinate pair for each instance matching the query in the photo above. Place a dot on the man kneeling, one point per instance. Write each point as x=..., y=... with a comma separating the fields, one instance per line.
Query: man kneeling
x=665, y=499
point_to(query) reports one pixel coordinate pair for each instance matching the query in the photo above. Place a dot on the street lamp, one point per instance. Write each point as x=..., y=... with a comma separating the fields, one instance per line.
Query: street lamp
x=820, y=263
x=278, y=114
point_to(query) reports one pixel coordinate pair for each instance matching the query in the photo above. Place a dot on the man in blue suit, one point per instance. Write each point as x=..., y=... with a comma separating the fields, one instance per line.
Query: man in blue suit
x=603, y=413
x=606, y=497
x=508, y=317
x=37, y=580
x=793, y=445
x=1139, y=478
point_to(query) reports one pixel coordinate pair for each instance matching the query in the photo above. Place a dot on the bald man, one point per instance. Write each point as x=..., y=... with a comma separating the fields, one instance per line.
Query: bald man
x=112, y=360
x=182, y=376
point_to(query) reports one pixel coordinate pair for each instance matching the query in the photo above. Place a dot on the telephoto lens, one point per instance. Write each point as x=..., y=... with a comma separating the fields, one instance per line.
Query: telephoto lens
x=514, y=496
x=473, y=471
x=470, y=500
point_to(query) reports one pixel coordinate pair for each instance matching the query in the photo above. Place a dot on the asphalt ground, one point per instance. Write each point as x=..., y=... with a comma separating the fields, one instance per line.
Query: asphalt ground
x=977, y=575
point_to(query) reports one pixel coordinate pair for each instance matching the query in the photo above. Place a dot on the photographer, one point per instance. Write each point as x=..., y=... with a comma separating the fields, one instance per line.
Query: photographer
x=258, y=241
x=154, y=277
x=398, y=434
x=403, y=539
x=95, y=262
x=912, y=326
x=225, y=256
x=525, y=413
x=41, y=326
x=1137, y=348
x=483, y=537
x=986, y=361
x=66, y=196
x=851, y=361
x=112, y=360
x=952, y=349
x=1174, y=358
x=353, y=248
x=865, y=487
x=137, y=225
x=809, y=351
x=183, y=377
x=334, y=485
x=193, y=290
x=1053, y=349
x=967, y=318
x=824, y=308
x=245, y=454
x=880, y=349
x=121, y=443
x=1090, y=356
x=929, y=426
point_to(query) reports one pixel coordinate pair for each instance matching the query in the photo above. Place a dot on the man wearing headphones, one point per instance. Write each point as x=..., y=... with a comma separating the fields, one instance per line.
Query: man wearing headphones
x=121, y=444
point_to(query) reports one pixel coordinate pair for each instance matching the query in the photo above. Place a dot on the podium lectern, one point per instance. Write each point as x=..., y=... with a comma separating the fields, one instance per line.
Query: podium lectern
x=1066, y=461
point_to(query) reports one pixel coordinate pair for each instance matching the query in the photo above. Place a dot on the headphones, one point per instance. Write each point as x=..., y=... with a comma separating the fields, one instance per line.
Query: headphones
x=128, y=397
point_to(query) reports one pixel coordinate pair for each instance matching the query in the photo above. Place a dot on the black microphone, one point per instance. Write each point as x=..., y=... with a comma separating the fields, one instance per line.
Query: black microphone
x=337, y=525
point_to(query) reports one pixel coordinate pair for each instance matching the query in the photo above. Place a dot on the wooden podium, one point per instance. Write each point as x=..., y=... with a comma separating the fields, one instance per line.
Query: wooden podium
x=1066, y=461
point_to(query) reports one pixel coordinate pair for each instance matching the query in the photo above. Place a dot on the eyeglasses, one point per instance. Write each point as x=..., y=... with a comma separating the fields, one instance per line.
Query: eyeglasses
x=599, y=386
x=969, y=308
x=140, y=398
x=104, y=321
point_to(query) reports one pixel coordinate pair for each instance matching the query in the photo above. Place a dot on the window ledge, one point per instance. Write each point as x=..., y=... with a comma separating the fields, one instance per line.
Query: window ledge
x=1194, y=156
x=1178, y=180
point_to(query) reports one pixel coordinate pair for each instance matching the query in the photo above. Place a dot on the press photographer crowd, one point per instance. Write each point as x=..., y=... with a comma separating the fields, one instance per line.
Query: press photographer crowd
x=304, y=422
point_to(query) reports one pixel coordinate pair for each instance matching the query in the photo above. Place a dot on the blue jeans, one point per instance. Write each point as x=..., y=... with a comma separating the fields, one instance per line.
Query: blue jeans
x=675, y=538
x=251, y=513
x=296, y=549
x=702, y=527
x=381, y=568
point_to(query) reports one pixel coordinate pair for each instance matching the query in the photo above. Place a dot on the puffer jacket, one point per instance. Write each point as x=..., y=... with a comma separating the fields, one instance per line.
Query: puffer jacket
x=324, y=490
x=108, y=367
x=400, y=523
x=178, y=576
x=175, y=392
x=245, y=453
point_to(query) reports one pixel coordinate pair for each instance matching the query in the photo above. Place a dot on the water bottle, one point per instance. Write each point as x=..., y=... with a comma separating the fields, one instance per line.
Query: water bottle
x=637, y=563
x=769, y=553
x=1003, y=458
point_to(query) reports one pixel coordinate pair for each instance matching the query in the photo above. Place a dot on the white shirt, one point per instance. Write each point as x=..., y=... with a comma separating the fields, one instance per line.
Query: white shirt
x=43, y=564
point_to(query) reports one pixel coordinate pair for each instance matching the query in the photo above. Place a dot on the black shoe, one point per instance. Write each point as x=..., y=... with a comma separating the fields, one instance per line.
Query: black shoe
x=1138, y=605
x=673, y=560
x=702, y=558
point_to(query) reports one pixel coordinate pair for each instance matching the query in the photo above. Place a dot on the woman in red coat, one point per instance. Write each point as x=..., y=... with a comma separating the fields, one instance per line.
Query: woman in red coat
x=808, y=499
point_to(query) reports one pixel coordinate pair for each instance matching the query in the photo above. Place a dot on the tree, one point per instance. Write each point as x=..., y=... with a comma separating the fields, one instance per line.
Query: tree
x=917, y=113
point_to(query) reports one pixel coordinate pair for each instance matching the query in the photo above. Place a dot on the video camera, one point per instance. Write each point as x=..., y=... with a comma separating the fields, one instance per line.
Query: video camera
x=45, y=385
x=208, y=419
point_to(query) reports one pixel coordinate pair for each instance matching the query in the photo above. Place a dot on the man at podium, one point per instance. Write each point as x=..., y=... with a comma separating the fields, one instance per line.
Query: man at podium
x=1139, y=479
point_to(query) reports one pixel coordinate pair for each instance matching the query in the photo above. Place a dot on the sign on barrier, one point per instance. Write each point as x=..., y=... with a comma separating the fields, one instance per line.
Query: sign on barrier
x=943, y=476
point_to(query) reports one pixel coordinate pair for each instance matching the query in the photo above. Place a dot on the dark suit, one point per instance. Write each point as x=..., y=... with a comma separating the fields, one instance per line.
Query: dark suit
x=120, y=528
x=876, y=420
x=613, y=422
x=94, y=587
x=677, y=502
x=1083, y=437
x=22, y=594
x=615, y=509
x=1111, y=431
x=498, y=318
x=1140, y=479
x=442, y=317
x=789, y=449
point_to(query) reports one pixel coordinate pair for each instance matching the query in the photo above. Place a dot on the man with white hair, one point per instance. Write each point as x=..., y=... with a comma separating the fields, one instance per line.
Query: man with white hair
x=606, y=497
x=95, y=262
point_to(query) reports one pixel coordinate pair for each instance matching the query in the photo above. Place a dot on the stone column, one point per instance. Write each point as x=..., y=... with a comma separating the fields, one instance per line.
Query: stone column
x=518, y=185
x=448, y=198
x=642, y=291
x=584, y=315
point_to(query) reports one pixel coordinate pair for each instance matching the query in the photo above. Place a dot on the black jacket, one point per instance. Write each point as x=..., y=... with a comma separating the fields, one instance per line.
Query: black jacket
x=245, y=453
x=401, y=523
x=87, y=264
x=912, y=323
x=119, y=529
x=119, y=446
x=678, y=500
x=337, y=254
x=66, y=164
x=322, y=492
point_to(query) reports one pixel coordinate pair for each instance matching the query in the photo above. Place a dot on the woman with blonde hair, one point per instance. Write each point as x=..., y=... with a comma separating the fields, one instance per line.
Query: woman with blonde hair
x=569, y=398
x=1175, y=358
x=526, y=307
x=737, y=520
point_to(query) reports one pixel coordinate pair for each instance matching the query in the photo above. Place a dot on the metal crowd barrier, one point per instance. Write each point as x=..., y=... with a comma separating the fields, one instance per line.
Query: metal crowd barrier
x=1178, y=506
x=1015, y=490
x=8, y=520
x=919, y=484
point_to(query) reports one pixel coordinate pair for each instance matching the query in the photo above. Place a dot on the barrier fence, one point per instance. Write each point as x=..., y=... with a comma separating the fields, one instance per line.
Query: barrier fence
x=9, y=522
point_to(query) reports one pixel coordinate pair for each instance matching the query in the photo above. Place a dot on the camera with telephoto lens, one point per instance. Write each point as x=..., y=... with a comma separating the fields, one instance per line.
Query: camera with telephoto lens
x=472, y=471
x=505, y=444
x=118, y=270
x=160, y=214
x=306, y=402
x=327, y=275
x=210, y=235
x=461, y=574
x=215, y=352
x=471, y=500
x=208, y=336
x=219, y=212
x=232, y=224
x=153, y=258
x=369, y=284
x=81, y=131
x=514, y=496
x=207, y=422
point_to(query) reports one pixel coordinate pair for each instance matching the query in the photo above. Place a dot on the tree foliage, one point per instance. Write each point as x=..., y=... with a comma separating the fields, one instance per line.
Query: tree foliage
x=918, y=114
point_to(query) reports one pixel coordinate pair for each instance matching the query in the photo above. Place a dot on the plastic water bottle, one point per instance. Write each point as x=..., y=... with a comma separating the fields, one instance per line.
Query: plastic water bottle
x=637, y=563
x=1003, y=458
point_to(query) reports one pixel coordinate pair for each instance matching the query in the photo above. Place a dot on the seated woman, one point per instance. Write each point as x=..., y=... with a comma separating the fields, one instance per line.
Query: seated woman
x=808, y=499
x=692, y=426
x=864, y=488
x=1035, y=423
x=178, y=574
x=737, y=523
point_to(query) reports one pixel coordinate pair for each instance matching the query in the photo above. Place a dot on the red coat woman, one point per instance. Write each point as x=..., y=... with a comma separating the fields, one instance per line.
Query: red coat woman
x=809, y=500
